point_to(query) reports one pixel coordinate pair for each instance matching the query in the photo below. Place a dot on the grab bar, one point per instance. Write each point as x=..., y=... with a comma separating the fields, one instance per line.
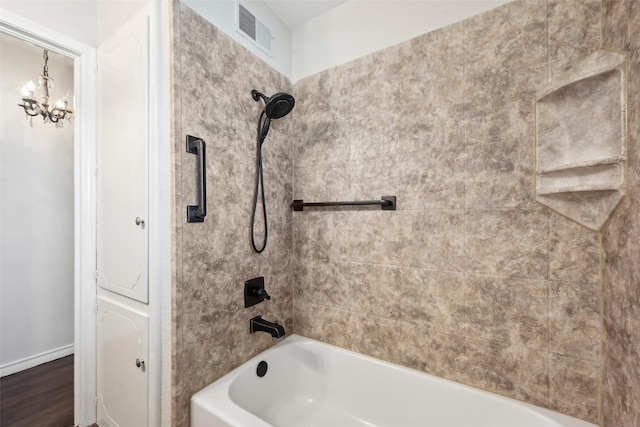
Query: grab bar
x=387, y=203
x=196, y=213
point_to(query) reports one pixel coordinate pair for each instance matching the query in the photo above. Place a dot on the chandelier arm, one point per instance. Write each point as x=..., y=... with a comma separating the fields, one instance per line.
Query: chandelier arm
x=30, y=107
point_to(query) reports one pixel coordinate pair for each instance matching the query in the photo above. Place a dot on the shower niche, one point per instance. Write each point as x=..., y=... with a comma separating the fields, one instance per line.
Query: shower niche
x=580, y=139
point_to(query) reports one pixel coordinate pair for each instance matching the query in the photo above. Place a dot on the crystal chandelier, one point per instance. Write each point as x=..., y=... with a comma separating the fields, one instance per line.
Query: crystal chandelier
x=34, y=108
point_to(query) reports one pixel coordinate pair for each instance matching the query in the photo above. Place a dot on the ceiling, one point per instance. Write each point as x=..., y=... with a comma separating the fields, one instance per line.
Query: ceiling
x=296, y=12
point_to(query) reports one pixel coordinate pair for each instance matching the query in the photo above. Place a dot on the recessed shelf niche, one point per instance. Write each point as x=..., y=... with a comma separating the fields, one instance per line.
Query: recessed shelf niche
x=580, y=139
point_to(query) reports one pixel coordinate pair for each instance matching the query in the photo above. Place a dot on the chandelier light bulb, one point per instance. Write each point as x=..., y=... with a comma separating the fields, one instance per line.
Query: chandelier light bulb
x=27, y=89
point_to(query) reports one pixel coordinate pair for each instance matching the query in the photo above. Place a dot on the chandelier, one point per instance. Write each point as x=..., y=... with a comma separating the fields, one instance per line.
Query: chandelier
x=34, y=108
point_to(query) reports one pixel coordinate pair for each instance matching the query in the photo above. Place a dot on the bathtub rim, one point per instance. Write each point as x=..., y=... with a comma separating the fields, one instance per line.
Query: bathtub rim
x=231, y=413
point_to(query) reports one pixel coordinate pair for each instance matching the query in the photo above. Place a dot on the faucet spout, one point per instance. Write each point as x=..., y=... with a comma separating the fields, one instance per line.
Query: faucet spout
x=258, y=324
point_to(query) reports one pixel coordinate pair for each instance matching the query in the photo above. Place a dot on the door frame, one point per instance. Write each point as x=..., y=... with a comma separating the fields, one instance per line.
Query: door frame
x=84, y=59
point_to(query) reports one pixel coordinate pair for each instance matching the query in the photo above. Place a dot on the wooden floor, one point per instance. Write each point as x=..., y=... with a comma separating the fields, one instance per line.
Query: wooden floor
x=38, y=397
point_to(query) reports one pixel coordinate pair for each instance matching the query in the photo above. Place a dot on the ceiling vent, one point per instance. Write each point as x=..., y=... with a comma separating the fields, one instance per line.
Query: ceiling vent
x=254, y=29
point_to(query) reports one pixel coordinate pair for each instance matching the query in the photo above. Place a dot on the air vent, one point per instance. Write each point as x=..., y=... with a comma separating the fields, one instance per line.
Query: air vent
x=254, y=29
x=246, y=22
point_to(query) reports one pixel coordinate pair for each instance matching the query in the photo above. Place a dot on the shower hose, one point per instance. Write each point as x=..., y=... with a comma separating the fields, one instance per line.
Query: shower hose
x=259, y=187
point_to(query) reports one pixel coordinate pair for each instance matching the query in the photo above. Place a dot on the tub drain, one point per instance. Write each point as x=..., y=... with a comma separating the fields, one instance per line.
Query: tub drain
x=262, y=369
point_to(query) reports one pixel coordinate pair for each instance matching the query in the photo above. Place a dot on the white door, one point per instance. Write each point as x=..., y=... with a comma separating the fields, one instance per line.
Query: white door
x=122, y=236
x=123, y=351
x=123, y=145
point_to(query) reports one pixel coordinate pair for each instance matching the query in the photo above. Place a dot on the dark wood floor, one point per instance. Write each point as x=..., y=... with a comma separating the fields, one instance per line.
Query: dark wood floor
x=38, y=397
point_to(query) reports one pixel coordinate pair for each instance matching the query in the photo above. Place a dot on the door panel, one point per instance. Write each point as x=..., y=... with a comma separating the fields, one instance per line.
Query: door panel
x=123, y=393
x=123, y=144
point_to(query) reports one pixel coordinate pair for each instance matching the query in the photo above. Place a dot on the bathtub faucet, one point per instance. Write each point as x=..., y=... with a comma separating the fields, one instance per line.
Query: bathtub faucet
x=258, y=324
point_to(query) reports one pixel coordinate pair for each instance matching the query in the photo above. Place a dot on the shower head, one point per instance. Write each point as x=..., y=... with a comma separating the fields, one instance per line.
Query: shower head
x=277, y=106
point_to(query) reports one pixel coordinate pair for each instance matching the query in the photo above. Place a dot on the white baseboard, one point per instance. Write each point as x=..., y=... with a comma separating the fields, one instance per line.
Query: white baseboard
x=35, y=360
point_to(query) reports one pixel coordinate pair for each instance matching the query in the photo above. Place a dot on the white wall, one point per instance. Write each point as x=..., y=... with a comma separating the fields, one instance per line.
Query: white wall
x=221, y=13
x=75, y=19
x=112, y=14
x=360, y=27
x=36, y=216
x=87, y=21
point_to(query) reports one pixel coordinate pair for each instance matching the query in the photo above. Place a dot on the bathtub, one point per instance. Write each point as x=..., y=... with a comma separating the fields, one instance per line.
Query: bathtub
x=311, y=384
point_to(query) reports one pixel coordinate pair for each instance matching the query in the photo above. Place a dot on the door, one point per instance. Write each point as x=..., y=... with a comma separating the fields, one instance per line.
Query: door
x=123, y=145
x=122, y=226
x=123, y=351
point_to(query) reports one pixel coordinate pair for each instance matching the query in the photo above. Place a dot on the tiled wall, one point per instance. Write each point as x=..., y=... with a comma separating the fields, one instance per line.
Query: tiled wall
x=621, y=355
x=469, y=279
x=213, y=78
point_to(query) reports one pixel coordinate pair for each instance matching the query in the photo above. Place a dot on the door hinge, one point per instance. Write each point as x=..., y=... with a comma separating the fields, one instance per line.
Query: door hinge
x=96, y=172
x=95, y=308
x=95, y=401
x=96, y=68
x=95, y=274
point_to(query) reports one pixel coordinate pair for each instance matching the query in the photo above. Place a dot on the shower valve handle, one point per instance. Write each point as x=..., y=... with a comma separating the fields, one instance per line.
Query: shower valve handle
x=260, y=293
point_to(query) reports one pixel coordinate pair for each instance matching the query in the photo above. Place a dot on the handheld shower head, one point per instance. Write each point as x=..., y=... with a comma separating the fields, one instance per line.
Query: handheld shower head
x=277, y=106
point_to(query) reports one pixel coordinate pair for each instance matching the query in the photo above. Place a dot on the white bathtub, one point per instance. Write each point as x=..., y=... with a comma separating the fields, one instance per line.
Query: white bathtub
x=312, y=384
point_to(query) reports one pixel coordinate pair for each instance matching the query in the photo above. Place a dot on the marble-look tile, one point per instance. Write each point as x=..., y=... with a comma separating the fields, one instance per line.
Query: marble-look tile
x=513, y=34
x=574, y=32
x=507, y=242
x=367, y=235
x=505, y=59
x=574, y=386
x=211, y=326
x=634, y=261
x=498, y=174
x=575, y=325
x=432, y=239
x=634, y=223
x=615, y=21
x=369, y=128
x=423, y=297
x=327, y=324
x=431, y=91
x=616, y=270
x=312, y=234
x=499, y=123
x=429, y=298
x=517, y=372
x=324, y=172
x=412, y=352
x=617, y=409
x=375, y=177
x=511, y=311
x=574, y=251
x=634, y=369
x=433, y=178
x=620, y=376
x=633, y=108
x=367, y=136
x=321, y=282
